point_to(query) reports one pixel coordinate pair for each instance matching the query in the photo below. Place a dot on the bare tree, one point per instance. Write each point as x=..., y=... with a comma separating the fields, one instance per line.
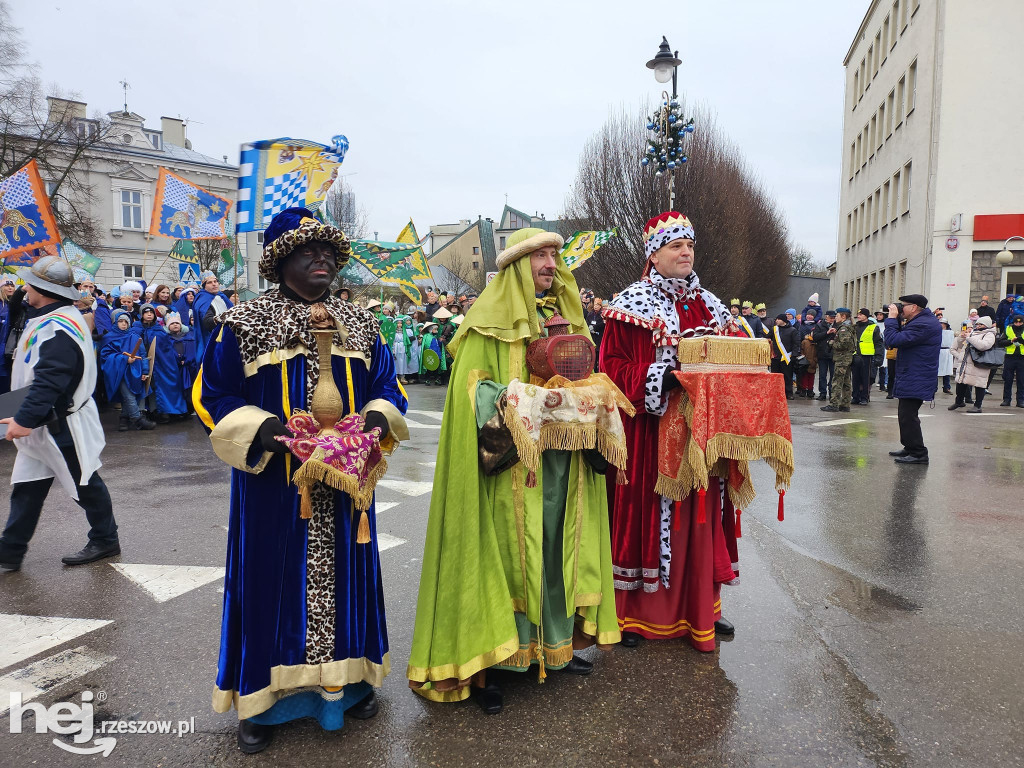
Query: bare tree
x=742, y=244
x=802, y=262
x=343, y=208
x=458, y=273
x=53, y=134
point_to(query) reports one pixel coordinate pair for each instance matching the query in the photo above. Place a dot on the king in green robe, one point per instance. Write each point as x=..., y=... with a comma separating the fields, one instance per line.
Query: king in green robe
x=513, y=576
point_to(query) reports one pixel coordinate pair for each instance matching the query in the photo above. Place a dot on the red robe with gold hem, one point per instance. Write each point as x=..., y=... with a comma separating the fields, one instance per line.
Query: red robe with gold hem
x=668, y=573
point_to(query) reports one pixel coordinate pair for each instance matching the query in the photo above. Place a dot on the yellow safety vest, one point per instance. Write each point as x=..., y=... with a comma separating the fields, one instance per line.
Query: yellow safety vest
x=1013, y=349
x=867, y=341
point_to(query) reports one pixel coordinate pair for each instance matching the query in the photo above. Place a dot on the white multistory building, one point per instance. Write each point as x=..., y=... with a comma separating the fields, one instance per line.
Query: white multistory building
x=932, y=154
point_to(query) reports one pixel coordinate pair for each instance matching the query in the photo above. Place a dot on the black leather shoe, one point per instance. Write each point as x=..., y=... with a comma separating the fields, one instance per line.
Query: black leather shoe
x=829, y=408
x=899, y=453
x=724, y=627
x=1004, y=404
x=8, y=563
x=954, y=406
x=821, y=397
x=578, y=666
x=911, y=460
x=365, y=709
x=845, y=409
x=253, y=738
x=630, y=639
x=92, y=552
x=490, y=698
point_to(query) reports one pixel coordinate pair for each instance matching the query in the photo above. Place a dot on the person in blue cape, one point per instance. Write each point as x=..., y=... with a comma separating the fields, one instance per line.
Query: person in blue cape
x=124, y=363
x=303, y=631
x=210, y=301
x=174, y=367
x=183, y=305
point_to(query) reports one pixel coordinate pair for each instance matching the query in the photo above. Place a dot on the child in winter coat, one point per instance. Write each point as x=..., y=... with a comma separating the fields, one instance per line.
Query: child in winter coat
x=174, y=368
x=125, y=368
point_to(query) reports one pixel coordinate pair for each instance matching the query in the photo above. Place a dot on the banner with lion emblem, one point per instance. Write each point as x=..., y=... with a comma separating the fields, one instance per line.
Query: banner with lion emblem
x=187, y=212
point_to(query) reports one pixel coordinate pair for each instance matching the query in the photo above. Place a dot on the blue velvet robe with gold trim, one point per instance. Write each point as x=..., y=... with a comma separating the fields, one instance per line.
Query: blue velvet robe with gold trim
x=263, y=633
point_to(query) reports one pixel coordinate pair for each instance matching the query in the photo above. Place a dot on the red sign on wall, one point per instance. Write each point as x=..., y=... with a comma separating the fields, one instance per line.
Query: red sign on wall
x=998, y=226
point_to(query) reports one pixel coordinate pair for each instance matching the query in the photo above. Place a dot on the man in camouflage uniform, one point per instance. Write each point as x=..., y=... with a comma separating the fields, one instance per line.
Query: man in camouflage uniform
x=844, y=345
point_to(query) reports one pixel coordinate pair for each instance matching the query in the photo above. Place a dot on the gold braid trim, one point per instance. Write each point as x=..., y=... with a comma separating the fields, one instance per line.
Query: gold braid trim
x=602, y=638
x=551, y=656
x=562, y=436
x=519, y=509
x=777, y=452
x=725, y=350
x=420, y=678
x=315, y=471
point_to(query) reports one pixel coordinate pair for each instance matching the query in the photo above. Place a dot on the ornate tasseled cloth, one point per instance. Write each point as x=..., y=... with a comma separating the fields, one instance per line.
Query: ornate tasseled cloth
x=717, y=423
x=567, y=416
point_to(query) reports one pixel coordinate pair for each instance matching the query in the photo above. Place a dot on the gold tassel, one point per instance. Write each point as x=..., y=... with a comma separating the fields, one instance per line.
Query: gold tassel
x=363, y=535
x=305, y=503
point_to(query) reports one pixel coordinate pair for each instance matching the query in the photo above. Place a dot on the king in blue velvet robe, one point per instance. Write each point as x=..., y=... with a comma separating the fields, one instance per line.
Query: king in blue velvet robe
x=303, y=630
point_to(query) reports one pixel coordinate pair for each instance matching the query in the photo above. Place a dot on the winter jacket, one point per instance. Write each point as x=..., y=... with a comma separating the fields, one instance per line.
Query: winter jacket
x=966, y=371
x=813, y=310
x=918, y=343
x=790, y=340
x=823, y=339
x=1003, y=312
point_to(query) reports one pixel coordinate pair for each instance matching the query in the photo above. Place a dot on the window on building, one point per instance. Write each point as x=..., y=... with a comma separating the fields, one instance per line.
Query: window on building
x=131, y=209
x=917, y=4
x=132, y=271
x=853, y=163
x=516, y=222
x=259, y=238
x=890, y=106
x=906, y=189
x=867, y=144
x=912, y=87
x=881, y=125
x=904, y=15
x=885, y=204
x=869, y=216
x=856, y=88
x=863, y=222
x=856, y=155
x=476, y=250
x=885, y=38
x=863, y=75
x=901, y=95
x=263, y=284
x=872, y=69
x=849, y=230
x=895, y=212
x=874, y=130
x=501, y=242
x=476, y=265
x=895, y=24
x=875, y=226
x=856, y=223
x=902, y=275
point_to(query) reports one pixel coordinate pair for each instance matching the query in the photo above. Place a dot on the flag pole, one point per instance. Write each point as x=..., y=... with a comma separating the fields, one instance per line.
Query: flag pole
x=162, y=263
x=145, y=258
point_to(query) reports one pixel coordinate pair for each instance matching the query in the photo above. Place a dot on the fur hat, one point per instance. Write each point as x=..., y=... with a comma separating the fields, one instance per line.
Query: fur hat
x=131, y=285
x=525, y=241
x=291, y=228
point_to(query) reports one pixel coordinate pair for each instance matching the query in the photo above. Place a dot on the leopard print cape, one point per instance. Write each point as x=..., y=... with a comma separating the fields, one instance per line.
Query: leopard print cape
x=274, y=322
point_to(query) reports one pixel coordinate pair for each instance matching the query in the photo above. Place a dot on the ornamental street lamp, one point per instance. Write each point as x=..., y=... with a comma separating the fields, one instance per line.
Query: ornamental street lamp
x=667, y=127
x=1005, y=256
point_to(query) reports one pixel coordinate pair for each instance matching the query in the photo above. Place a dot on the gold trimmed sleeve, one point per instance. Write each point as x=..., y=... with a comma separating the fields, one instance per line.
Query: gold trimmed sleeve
x=233, y=436
x=396, y=421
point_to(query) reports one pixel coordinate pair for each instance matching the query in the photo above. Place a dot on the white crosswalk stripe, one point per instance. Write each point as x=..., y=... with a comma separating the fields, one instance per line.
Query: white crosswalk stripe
x=835, y=422
x=164, y=582
x=384, y=506
x=47, y=674
x=429, y=414
x=22, y=637
x=386, y=541
x=418, y=425
x=406, y=487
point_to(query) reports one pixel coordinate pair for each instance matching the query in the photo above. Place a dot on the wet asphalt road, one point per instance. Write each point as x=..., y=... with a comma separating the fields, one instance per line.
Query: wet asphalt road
x=880, y=624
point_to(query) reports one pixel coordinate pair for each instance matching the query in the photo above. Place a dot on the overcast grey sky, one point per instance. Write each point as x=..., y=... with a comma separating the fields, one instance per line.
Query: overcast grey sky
x=449, y=105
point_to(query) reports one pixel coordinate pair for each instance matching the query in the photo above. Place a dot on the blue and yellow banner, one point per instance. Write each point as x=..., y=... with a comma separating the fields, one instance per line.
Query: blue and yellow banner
x=26, y=219
x=183, y=210
x=284, y=173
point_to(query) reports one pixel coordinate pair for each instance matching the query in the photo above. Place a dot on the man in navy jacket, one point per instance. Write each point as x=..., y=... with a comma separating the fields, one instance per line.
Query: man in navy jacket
x=918, y=342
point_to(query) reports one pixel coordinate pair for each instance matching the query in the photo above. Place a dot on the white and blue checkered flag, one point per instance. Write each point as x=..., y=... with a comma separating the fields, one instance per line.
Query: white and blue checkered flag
x=284, y=173
x=186, y=211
